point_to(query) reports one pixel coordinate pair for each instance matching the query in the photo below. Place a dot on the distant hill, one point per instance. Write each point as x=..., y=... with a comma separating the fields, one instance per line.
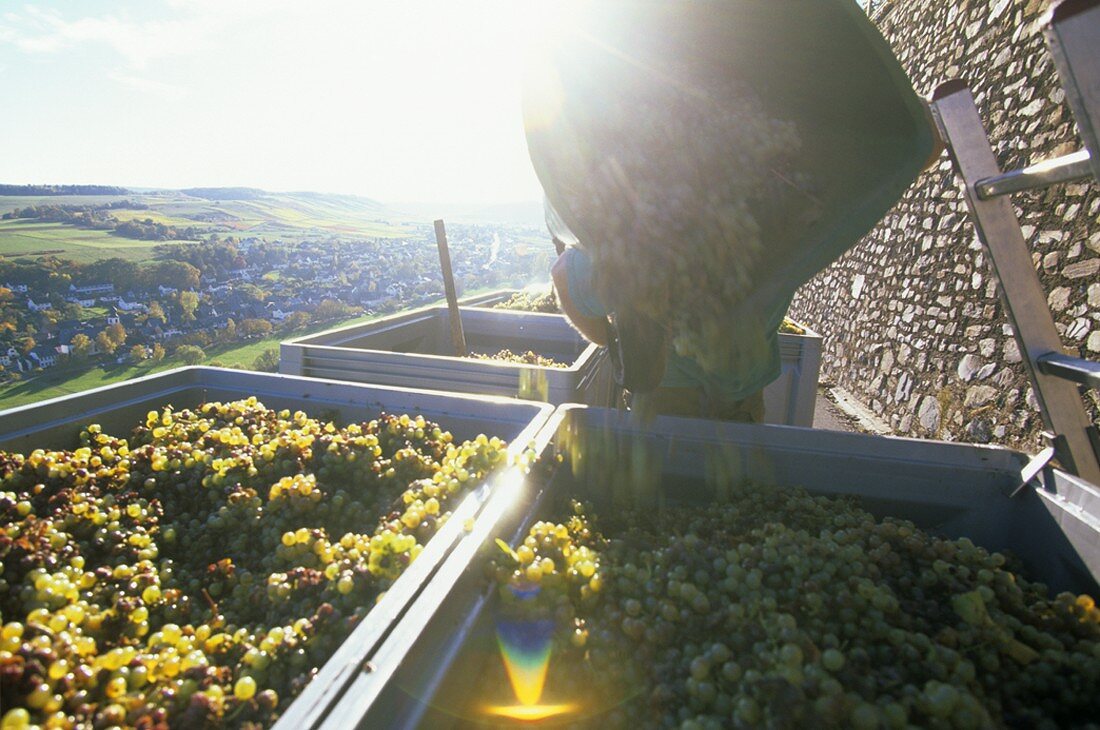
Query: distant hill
x=224, y=193
x=523, y=213
x=26, y=190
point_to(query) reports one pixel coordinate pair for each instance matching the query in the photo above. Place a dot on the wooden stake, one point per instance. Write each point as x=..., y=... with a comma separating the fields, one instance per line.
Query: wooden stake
x=458, y=337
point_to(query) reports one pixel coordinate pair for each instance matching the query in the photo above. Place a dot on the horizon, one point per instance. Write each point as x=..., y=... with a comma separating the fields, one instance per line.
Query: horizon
x=401, y=104
x=149, y=189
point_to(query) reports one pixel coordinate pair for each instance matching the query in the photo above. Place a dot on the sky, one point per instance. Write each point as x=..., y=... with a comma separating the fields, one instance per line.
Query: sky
x=398, y=100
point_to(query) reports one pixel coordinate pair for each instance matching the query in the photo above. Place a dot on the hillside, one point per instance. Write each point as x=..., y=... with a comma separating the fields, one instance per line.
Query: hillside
x=240, y=212
x=527, y=213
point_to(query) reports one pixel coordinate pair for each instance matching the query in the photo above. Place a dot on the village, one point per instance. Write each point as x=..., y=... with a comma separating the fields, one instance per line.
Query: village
x=269, y=287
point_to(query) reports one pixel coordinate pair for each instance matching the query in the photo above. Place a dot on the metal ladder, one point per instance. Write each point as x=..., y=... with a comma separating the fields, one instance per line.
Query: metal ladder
x=1072, y=30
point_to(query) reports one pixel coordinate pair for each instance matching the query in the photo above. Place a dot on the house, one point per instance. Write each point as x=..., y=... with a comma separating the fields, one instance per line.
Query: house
x=69, y=329
x=165, y=290
x=44, y=356
x=17, y=288
x=93, y=290
x=127, y=306
x=276, y=312
x=36, y=307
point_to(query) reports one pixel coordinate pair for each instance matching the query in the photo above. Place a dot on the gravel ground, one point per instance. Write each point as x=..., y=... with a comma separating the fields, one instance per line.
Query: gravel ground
x=828, y=416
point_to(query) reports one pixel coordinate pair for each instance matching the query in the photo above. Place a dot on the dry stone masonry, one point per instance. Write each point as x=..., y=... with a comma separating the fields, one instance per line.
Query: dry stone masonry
x=912, y=319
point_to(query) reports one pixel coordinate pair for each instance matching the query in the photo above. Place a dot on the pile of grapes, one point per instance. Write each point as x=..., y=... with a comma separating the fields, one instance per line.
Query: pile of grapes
x=525, y=358
x=678, y=186
x=790, y=327
x=526, y=302
x=781, y=609
x=199, y=572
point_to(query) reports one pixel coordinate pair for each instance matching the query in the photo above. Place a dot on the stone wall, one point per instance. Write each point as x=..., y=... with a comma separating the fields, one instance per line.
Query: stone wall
x=911, y=315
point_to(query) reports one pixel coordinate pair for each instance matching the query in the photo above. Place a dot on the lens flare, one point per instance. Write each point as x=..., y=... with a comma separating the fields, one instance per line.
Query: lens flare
x=525, y=649
x=529, y=713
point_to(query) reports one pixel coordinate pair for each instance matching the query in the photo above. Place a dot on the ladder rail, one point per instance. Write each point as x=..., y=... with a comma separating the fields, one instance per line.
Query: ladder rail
x=1060, y=405
x=1072, y=31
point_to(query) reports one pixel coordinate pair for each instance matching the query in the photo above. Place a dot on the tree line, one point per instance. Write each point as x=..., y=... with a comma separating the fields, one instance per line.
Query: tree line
x=62, y=190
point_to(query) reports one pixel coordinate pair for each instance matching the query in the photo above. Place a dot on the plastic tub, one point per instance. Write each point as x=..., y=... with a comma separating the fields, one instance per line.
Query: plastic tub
x=1052, y=524
x=413, y=350
x=790, y=399
x=57, y=423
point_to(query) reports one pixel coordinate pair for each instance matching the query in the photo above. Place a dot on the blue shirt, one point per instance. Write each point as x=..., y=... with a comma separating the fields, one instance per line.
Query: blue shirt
x=760, y=367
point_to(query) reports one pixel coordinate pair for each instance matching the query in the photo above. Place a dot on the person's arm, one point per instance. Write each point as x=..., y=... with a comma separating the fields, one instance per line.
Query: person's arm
x=593, y=329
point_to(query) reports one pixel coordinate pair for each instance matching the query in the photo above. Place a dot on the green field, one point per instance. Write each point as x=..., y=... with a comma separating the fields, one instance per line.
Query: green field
x=22, y=238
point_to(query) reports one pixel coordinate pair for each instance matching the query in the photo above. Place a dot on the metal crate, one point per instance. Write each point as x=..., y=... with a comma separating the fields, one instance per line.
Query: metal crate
x=413, y=350
x=57, y=423
x=790, y=399
x=1052, y=524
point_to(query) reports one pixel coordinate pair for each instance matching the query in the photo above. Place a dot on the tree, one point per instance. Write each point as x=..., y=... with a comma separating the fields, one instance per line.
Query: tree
x=229, y=333
x=104, y=343
x=296, y=321
x=190, y=354
x=29, y=344
x=156, y=311
x=267, y=361
x=332, y=309
x=258, y=327
x=81, y=346
x=199, y=338
x=189, y=302
x=251, y=291
x=72, y=310
x=117, y=334
x=158, y=352
x=138, y=353
x=176, y=274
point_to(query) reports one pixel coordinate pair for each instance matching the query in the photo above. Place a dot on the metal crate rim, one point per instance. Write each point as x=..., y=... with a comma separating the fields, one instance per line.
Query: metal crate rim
x=578, y=364
x=196, y=374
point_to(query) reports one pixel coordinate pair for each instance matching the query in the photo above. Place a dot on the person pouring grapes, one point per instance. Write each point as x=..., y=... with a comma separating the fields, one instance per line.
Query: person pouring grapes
x=702, y=161
x=685, y=388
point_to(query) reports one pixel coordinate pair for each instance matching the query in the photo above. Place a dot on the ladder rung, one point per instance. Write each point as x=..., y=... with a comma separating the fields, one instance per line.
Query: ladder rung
x=1077, y=369
x=1071, y=167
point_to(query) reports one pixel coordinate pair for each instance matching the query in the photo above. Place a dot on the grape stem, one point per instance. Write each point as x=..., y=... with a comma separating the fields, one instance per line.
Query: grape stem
x=43, y=630
x=210, y=601
x=239, y=708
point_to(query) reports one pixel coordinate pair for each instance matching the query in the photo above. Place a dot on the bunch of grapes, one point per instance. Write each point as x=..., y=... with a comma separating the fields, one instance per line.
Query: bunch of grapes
x=526, y=302
x=677, y=185
x=201, y=571
x=525, y=358
x=781, y=609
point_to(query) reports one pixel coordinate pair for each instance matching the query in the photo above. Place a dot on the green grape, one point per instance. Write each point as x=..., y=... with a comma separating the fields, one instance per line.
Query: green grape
x=526, y=358
x=149, y=572
x=525, y=302
x=779, y=608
